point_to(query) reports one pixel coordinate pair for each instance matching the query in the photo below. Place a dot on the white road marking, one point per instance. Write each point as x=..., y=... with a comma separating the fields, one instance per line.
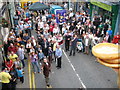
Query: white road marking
x=75, y=70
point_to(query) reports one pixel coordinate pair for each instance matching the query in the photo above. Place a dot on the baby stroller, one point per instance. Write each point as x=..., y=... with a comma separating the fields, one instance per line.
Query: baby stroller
x=79, y=45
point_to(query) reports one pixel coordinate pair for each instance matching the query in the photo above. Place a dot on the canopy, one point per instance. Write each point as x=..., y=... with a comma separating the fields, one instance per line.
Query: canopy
x=38, y=6
x=25, y=1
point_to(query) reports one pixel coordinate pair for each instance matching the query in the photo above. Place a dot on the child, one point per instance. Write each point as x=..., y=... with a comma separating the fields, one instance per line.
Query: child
x=20, y=74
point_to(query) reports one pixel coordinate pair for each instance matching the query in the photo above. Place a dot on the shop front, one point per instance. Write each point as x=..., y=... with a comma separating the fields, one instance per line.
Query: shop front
x=108, y=12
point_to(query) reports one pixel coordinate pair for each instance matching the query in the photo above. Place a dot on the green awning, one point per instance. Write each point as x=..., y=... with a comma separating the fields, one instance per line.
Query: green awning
x=101, y=5
x=38, y=6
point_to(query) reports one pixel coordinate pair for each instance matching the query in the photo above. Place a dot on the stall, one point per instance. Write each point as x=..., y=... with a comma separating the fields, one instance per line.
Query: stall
x=24, y=3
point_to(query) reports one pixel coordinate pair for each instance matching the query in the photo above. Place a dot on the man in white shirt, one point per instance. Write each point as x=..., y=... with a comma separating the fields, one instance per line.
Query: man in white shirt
x=55, y=30
x=41, y=24
x=65, y=5
x=71, y=14
x=44, y=18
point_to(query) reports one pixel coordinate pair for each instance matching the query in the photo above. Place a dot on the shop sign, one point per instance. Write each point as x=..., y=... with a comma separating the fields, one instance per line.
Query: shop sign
x=102, y=5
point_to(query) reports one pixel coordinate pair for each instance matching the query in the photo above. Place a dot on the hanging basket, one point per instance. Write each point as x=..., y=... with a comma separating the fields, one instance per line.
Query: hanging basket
x=4, y=23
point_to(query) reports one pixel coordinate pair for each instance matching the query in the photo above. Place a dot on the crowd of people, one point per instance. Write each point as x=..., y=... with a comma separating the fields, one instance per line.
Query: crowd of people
x=77, y=31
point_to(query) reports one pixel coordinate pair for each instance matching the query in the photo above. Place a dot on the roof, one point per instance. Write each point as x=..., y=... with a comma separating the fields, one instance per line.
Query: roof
x=109, y=2
x=55, y=6
x=38, y=6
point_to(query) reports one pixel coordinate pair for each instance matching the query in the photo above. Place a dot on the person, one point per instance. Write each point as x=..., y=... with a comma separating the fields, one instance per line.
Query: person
x=20, y=74
x=14, y=77
x=25, y=38
x=40, y=56
x=73, y=45
x=108, y=38
x=58, y=54
x=32, y=49
x=67, y=41
x=71, y=13
x=40, y=26
x=28, y=46
x=87, y=43
x=12, y=48
x=50, y=52
x=60, y=25
x=51, y=29
x=46, y=34
x=46, y=68
x=13, y=56
x=29, y=28
x=6, y=48
x=34, y=42
x=116, y=38
x=105, y=27
x=5, y=79
x=45, y=46
x=54, y=48
x=72, y=27
x=18, y=63
x=110, y=32
x=104, y=40
x=34, y=61
x=55, y=30
x=60, y=40
x=21, y=54
x=16, y=19
x=9, y=64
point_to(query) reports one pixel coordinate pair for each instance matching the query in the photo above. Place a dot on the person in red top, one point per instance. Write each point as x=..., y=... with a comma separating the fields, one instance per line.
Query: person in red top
x=116, y=38
x=26, y=19
x=9, y=64
x=51, y=29
x=12, y=48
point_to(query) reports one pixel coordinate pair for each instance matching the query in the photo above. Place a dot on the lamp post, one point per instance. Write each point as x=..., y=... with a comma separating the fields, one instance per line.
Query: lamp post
x=69, y=2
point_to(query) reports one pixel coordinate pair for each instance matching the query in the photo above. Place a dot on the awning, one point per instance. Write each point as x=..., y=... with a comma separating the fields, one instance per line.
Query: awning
x=29, y=1
x=25, y=1
x=38, y=6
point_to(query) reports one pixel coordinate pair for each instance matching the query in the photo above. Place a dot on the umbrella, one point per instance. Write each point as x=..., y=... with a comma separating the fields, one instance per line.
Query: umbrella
x=38, y=6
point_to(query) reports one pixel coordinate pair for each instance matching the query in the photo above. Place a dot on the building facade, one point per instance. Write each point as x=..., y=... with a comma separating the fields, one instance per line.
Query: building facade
x=108, y=11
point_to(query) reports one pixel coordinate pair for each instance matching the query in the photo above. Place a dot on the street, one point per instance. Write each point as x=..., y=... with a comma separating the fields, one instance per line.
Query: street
x=37, y=33
x=91, y=74
x=79, y=71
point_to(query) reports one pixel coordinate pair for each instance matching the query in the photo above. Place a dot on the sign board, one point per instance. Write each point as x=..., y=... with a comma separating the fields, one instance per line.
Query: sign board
x=101, y=5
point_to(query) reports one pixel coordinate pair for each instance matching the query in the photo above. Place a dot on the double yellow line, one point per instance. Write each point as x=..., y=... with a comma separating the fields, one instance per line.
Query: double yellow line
x=31, y=77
